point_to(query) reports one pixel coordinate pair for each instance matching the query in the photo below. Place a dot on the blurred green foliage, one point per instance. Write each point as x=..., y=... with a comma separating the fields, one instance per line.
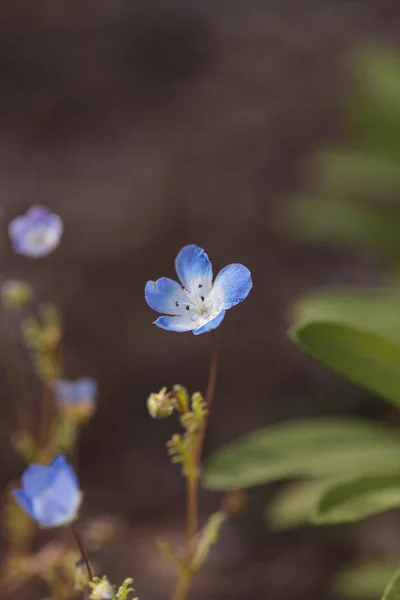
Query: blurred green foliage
x=354, y=191
x=363, y=581
x=346, y=469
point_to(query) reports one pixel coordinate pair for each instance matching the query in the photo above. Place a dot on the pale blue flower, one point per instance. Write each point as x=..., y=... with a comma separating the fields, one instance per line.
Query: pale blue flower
x=77, y=398
x=36, y=233
x=197, y=304
x=50, y=494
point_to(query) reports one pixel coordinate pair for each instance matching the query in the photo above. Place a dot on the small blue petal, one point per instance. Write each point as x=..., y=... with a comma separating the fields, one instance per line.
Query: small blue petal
x=164, y=294
x=85, y=388
x=64, y=484
x=49, y=512
x=74, y=392
x=37, y=233
x=58, y=463
x=64, y=390
x=213, y=324
x=24, y=501
x=16, y=228
x=37, y=213
x=194, y=268
x=175, y=323
x=35, y=480
x=50, y=494
x=233, y=284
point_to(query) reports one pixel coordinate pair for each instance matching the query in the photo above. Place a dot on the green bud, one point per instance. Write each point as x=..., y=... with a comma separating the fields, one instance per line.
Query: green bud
x=16, y=294
x=124, y=591
x=182, y=397
x=161, y=405
x=25, y=445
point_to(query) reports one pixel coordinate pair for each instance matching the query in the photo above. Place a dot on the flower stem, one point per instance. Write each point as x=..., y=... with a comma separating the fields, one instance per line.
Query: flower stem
x=212, y=380
x=192, y=481
x=78, y=541
x=192, y=511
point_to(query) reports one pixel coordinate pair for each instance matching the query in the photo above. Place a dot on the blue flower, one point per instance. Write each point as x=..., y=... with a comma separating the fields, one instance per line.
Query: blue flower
x=76, y=398
x=37, y=233
x=50, y=494
x=197, y=304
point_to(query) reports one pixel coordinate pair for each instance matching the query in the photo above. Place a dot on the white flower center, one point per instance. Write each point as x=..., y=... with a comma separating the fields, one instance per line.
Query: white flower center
x=38, y=236
x=201, y=308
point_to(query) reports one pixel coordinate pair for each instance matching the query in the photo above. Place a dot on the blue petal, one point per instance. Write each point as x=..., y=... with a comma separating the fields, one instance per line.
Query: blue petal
x=59, y=464
x=85, y=388
x=64, y=484
x=24, y=502
x=232, y=285
x=194, y=269
x=59, y=503
x=163, y=294
x=17, y=228
x=213, y=324
x=36, y=233
x=64, y=390
x=35, y=480
x=49, y=513
x=37, y=213
x=175, y=323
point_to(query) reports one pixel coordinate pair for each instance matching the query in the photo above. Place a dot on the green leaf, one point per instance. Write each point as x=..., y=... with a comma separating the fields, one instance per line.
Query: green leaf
x=374, y=107
x=364, y=357
x=354, y=173
x=319, y=219
x=358, y=498
x=294, y=503
x=308, y=448
x=373, y=309
x=392, y=591
x=365, y=581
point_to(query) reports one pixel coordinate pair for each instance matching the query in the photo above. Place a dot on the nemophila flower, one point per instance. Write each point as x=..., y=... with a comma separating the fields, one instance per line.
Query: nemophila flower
x=50, y=494
x=76, y=398
x=197, y=304
x=36, y=233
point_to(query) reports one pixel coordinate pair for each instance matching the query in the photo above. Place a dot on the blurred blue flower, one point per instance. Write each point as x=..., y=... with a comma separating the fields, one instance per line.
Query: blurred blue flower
x=36, y=233
x=76, y=398
x=50, y=494
x=197, y=304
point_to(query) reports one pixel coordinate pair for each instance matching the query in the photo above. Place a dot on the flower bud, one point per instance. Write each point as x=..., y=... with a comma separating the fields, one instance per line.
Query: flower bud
x=16, y=294
x=161, y=405
x=101, y=590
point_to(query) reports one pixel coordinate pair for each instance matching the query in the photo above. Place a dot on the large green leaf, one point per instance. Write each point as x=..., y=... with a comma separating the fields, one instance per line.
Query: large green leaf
x=367, y=580
x=364, y=357
x=374, y=107
x=358, y=498
x=293, y=504
x=392, y=592
x=374, y=309
x=308, y=448
x=352, y=173
x=344, y=222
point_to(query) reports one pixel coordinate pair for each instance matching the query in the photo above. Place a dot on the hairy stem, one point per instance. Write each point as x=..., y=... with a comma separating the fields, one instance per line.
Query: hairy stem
x=78, y=541
x=192, y=481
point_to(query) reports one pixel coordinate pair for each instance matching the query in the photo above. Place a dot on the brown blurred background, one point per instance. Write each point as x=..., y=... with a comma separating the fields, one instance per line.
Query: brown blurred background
x=150, y=124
